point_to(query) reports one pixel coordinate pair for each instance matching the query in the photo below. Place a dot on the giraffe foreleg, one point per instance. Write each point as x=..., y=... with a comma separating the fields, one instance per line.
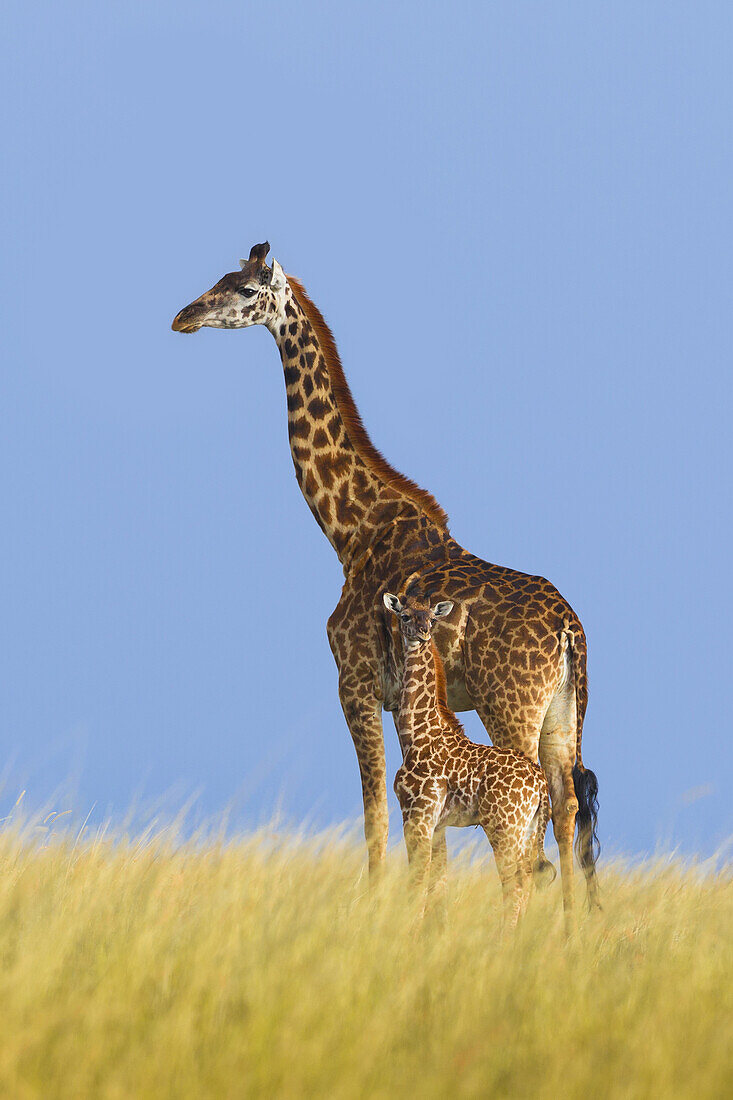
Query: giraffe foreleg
x=418, y=829
x=364, y=719
x=438, y=884
x=439, y=864
x=422, y=801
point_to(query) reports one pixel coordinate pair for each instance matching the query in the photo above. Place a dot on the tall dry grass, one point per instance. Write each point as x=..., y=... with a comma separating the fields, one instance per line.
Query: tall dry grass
x=264, y=967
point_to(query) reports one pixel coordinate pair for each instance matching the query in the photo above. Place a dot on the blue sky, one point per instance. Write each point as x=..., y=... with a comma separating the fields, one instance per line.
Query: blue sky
x=517, y=219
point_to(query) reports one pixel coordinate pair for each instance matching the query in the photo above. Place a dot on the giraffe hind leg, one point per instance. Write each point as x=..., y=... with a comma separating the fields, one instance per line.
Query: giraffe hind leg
x=557, y=757
x=537, y=817
x=523, y=740
x=543, y=871
x=514, y=884
x=509, y=846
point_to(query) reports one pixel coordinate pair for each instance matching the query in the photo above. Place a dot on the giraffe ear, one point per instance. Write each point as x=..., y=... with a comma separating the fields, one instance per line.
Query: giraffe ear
x=277, y=282
x=392, y=603
x=442, y=609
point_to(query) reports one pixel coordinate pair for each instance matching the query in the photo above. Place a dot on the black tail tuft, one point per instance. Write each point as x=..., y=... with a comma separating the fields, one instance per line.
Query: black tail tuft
x=587, y=845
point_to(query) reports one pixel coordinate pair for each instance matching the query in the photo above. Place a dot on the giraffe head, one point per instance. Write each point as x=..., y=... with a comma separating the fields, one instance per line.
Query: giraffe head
x=416, y=617
x=252, y=296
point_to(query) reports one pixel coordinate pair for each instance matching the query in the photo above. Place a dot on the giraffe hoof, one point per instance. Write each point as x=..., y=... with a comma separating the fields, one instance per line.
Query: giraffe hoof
x=544, y=873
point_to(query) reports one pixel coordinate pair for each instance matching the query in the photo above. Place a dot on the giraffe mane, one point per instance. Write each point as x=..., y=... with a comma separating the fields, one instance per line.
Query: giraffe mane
x=441, y=693
x=353, y=423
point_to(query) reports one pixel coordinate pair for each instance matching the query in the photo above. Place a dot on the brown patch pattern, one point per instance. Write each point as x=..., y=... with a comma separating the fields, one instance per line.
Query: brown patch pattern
x=446, y=779
x=513, y=648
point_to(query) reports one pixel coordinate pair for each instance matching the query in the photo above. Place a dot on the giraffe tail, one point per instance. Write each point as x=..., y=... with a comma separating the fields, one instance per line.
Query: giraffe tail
x=585, y=782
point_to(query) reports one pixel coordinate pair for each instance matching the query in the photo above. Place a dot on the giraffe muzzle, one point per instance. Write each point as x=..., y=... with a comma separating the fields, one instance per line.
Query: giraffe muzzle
x=190, y=319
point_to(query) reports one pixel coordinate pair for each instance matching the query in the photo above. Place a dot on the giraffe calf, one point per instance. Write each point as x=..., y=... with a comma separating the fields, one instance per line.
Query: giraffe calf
x=446, y=779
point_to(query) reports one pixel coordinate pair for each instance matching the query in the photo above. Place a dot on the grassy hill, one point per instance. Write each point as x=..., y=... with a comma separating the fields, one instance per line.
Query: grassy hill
x=264, y=967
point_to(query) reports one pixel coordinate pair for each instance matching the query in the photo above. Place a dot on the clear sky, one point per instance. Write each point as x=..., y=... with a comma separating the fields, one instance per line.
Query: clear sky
x=517, y=219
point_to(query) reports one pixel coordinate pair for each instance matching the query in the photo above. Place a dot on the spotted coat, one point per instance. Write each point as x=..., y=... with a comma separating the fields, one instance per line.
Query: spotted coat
x=513, y=648
x=446, y=779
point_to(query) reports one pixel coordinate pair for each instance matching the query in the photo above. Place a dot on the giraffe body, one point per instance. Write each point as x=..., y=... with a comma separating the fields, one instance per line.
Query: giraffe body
x=445, y=779
x=513, y=648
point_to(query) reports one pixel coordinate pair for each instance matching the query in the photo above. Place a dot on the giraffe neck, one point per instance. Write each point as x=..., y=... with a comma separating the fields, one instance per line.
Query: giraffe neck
x=423, y=715
x=348, y=486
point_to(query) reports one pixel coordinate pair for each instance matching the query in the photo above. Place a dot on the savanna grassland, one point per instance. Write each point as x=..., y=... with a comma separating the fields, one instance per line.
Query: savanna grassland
x=263, y=967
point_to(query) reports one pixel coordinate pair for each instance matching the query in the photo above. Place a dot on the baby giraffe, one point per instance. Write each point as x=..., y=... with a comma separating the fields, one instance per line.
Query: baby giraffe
x=446, y=779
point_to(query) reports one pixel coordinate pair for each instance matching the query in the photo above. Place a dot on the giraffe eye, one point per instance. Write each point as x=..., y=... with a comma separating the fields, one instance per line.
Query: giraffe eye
x=248, y=291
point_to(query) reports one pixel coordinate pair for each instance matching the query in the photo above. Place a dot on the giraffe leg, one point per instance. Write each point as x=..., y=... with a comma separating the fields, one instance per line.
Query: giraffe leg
x=529, y=857
x=364, y=719
x=543, y=872
x=564, y=808
x=508, y=857
x=418, y=841
x=438, y=885
x=557, y=756
x=525, y=882
x=507, y=731
x=439, y=864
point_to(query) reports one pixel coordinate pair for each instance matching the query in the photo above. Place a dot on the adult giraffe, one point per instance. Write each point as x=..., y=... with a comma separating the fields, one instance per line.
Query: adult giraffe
x=513, y=649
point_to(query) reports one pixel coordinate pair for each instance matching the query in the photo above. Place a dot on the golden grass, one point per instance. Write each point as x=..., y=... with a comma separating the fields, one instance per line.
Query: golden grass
x=263, y=967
